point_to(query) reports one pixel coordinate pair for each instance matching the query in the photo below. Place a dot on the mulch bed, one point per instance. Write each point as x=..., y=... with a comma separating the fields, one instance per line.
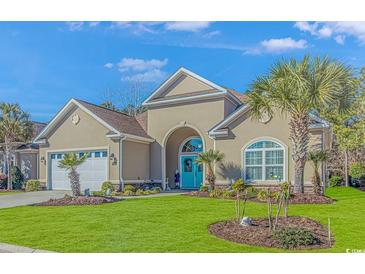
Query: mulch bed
x=258, y=234
x=305, y=198
x=81, y=200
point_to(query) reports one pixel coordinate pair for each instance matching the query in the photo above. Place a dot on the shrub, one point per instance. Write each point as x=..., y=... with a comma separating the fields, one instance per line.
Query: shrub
x=139, y=192
x=335, y=181
x=33, y=185
x=129, y=188
x=157, y=189
x=204, y=188
x=148, y=192
x=357, y=170
x=98, y=193
x=295, y=237
x=216, y=193
x=239, y=185
x=17, y=178
x=3, y=181
x=105, y=186
x=128, y=193
x=228, y=194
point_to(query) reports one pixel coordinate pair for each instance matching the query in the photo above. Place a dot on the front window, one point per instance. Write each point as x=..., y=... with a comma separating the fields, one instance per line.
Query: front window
x=264, y=161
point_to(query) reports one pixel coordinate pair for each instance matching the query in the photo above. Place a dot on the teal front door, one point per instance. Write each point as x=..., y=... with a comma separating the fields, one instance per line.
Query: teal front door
x=191, y=172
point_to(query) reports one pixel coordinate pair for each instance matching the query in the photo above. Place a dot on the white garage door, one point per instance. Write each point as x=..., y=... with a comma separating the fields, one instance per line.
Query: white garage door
x=93, y=172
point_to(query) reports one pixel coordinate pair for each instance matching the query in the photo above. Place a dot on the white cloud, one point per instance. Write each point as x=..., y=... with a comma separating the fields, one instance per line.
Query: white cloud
x=340, y=39
x=187, y=26
x=277, y=46
x=140, y=64
x=136, y=27
x=144, y=70
x=109, y=65
x=94, y=24
x=75, y=26
x=154, y=75
x=338, y=30
x=212, y=34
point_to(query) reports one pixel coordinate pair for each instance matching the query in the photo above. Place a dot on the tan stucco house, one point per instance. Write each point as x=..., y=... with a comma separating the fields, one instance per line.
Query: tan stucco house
x=25, y=155
x=186, y=115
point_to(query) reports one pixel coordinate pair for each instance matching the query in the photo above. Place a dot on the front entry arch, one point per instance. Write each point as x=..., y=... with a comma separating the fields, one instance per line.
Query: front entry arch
x=191, y=173
x=172, y=147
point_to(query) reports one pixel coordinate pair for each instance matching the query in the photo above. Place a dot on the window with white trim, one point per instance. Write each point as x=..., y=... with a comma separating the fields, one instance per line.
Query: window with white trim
x=264, y=161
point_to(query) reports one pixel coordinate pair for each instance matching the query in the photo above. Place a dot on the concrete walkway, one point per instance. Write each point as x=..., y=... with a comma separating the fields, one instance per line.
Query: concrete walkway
x=8, y=248
x=28, y=198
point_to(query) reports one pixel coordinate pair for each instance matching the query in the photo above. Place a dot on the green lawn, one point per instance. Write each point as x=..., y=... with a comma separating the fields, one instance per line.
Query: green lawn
x=165, y=224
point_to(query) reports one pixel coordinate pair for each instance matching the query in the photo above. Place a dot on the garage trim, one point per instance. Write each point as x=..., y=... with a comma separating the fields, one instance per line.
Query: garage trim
x=49, y=152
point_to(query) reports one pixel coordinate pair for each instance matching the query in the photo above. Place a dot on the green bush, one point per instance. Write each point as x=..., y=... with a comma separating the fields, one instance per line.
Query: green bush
x=148, y=192
x=33, y=185
x=216, y=193
x=295, y=237
x=157, y=189
x=139, y=192
x=204, y=188
x=357, y=170
x=129, y=188
x=228, y=194
x=128, y=193
x=98, y=193
x=105, y=186
x=17, y=177
x=239, y=185
x=335, y=181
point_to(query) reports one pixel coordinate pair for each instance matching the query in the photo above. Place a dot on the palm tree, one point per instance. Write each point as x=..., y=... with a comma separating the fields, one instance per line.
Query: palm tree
x=297, y=88
x=15, y=127
x=70, y=162
x=209, y=159
x=316, y=157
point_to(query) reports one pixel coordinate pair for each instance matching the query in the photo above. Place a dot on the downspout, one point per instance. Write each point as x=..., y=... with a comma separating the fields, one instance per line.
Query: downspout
x=121, y=180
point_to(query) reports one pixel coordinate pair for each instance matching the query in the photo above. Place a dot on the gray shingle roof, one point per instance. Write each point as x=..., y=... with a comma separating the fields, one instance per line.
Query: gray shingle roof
x=118, y=120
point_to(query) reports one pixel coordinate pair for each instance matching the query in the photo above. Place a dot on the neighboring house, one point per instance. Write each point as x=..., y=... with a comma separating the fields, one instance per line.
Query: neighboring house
x=25, y=156
x=186, y=115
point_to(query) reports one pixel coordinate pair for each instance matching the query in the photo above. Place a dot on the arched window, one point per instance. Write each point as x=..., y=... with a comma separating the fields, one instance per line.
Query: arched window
x=194, y=144
x=264, y=161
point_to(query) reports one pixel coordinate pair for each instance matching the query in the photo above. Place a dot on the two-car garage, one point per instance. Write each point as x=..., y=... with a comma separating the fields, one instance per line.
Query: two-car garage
x=93, y=172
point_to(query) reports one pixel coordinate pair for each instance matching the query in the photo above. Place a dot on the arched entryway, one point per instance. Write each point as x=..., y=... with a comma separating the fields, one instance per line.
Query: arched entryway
x=182, y=146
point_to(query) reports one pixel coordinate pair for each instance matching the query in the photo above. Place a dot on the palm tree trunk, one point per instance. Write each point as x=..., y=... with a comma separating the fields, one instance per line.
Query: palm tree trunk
x=75, y=182
x=299, y=136
x=346, y=168
x=317, y=182
x=8, y=163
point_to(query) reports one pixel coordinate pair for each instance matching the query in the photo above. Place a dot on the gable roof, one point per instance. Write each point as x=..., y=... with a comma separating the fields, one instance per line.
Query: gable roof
x=154, y=98
x=221, y=127
x=122, y=122
x=119, y=124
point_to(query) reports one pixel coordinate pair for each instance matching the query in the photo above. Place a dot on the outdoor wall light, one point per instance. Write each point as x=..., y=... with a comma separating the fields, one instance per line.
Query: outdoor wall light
x=111, y=156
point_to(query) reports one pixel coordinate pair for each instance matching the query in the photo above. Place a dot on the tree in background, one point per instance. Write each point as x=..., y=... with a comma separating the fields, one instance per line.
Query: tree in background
x=316, y=158
x=349, y=131
x=297, y=88
x=127, y=101
x=15, y=127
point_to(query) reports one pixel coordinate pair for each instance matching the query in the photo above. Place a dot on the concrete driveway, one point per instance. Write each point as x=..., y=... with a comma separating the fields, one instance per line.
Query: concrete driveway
x=28, y=198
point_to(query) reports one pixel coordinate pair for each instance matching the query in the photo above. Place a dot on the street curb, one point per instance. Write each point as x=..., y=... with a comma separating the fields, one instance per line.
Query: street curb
x=9, y=248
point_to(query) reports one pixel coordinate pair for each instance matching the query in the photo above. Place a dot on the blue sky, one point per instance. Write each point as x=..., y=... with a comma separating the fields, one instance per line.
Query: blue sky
x=44, y=64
